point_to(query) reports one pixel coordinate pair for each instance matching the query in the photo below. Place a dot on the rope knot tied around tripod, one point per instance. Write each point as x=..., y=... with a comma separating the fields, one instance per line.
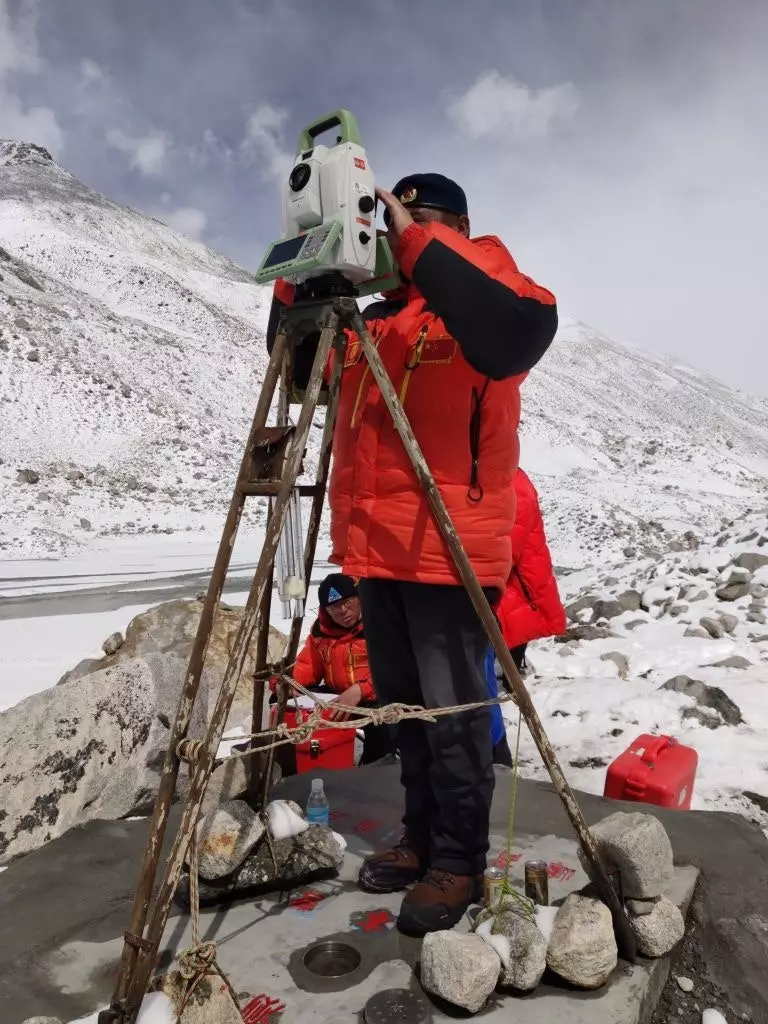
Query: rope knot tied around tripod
x=190, y=751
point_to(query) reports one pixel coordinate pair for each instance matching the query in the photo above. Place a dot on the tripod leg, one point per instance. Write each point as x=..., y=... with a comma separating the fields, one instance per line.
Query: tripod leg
x=170, y=771
x=321, y=479
x=248, y=625
x=624, y=933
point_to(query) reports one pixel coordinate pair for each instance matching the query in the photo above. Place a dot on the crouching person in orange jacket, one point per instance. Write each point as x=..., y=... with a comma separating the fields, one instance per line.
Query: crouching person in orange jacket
x=334, y=659
x=456, y=341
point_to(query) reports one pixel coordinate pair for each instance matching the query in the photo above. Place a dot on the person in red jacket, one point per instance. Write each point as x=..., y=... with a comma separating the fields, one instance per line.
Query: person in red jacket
x=530, y=608
x=456, y=344
x=334, y=659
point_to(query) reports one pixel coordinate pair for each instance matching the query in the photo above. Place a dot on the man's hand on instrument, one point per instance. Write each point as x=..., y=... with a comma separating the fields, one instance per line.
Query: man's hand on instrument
x=399, y=219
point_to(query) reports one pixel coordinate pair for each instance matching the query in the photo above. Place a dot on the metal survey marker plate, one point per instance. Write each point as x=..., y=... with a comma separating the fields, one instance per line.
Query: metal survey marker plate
x=397, y=1006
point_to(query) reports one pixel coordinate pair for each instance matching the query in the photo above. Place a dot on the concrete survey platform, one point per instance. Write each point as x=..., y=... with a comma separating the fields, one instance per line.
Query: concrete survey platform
x=63, y=910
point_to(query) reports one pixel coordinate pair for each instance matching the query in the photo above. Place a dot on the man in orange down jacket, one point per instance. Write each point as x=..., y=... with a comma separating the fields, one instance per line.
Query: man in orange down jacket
x=456, y=341
x=334, y=659
x=531, y=607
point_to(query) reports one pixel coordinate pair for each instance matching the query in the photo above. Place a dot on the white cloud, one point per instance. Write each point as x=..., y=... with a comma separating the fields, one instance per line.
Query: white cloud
x=92, y=73
x=147, y=154
x=189, y=220
x=19, y=54
x=496, y=104
x=263, y=140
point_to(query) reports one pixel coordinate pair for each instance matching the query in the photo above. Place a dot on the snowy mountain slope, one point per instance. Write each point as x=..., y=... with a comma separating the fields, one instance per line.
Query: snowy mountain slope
x=130, y=360
x=695, y=620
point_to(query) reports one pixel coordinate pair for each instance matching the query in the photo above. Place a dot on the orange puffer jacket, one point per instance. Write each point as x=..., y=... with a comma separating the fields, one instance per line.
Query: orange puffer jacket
x=530, y=607
x=336, y=657
x=456, y=346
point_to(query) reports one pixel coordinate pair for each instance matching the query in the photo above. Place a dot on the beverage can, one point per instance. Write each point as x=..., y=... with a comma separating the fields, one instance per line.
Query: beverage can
x=493, y=885
x=537, y=882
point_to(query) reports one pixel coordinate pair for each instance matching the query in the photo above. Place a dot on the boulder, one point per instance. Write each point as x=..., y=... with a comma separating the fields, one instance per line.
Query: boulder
x=225, y=837
x=582, y=948
x=734, y=661
x=170, y=628
x=584, y=631
x=714, y=627
x=730, y=622
x=707, y=696
x=463, y=969
x=751, y=561
x=606, y=609
x=274, y=864
x=698, y=632
x=732, y=591
x=519, y=942
x=630, y=600
x=113, y=643
x=90, y=748
x=660, y=931
x=638, y=845
x=575, y=608
x=619, y=660
x=678, y=609
x=739, y=575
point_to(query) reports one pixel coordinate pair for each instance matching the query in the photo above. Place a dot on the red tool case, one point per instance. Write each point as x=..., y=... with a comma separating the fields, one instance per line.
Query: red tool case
x=654, y=770
x=328, y=748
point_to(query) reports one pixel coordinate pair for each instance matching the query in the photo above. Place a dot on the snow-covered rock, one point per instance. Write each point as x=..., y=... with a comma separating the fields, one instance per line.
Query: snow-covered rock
x=520, y=943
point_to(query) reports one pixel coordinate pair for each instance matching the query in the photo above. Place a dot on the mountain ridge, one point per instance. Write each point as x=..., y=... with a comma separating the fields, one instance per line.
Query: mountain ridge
x=130, y=363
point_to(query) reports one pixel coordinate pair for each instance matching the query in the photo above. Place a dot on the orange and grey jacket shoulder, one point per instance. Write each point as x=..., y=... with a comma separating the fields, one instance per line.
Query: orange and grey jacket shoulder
x=502, y=321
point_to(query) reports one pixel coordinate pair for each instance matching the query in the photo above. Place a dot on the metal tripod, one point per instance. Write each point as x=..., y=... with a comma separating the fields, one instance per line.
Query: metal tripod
x=271, y=464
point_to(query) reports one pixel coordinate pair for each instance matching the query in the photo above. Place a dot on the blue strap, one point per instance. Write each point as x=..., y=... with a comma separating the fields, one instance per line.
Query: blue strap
x=498, y=729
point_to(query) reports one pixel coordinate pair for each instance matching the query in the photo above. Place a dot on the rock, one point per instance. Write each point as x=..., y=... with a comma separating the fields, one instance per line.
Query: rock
x=629, y=552
x=225, y=837
x=574, y=609
x=751, y=561
x=90, y=748
x=638, y=845
x=22, y=323
x=694, y=631
x=630, y=600
x=684, y=984
x=714, y=627
x=85, y=524
x=707, y=696
x=33, y=356
x=732, y=591
x=735, y=661
x=298, y=859
x=708, y=719
x=27, y=476
x=678, y=609
x=606, y=609
x=634, y=623
x=42, y=1020
x=584, y=631
x=676, y=545
x=660, y=931
x=73, y=475
x=566, y=652
x=756, y=617
x=582, y=948
x=730, y=622
x=700, y=595
x=463, y=969
x=757, y=799
x=113, y=643
x=170, y=628
x=639, y=908
x=740, y=575
x=125, y=391
x=520, y=945
x=619, y=660
x=653, y=596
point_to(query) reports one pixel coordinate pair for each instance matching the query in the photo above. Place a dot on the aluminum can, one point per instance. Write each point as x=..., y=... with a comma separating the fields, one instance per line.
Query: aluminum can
x=537, y=882
x=493, y=883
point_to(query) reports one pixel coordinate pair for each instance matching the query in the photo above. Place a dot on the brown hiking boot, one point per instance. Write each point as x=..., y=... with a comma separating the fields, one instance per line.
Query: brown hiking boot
x=392, y=870
x=438, y=902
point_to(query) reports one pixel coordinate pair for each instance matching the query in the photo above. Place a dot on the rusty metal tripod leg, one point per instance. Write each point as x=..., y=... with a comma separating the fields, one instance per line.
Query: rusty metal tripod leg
x=248, y=626
x=624, y=933
x=133, y=939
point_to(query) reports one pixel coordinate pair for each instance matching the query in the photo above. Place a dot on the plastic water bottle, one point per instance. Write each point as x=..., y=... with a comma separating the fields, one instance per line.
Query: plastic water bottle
x=318, y=810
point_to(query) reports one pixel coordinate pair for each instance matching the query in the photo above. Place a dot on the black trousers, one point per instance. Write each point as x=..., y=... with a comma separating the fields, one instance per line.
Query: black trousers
x=426, y=645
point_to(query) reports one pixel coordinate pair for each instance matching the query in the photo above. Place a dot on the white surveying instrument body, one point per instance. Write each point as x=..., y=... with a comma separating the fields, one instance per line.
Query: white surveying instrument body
x=329, y=211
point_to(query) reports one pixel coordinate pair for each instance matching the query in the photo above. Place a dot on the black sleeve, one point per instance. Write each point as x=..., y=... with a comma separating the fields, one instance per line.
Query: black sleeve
x=501, y=333
x=306, y=346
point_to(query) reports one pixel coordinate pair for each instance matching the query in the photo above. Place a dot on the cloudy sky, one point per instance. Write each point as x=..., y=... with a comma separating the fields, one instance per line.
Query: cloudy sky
x=619, y=147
